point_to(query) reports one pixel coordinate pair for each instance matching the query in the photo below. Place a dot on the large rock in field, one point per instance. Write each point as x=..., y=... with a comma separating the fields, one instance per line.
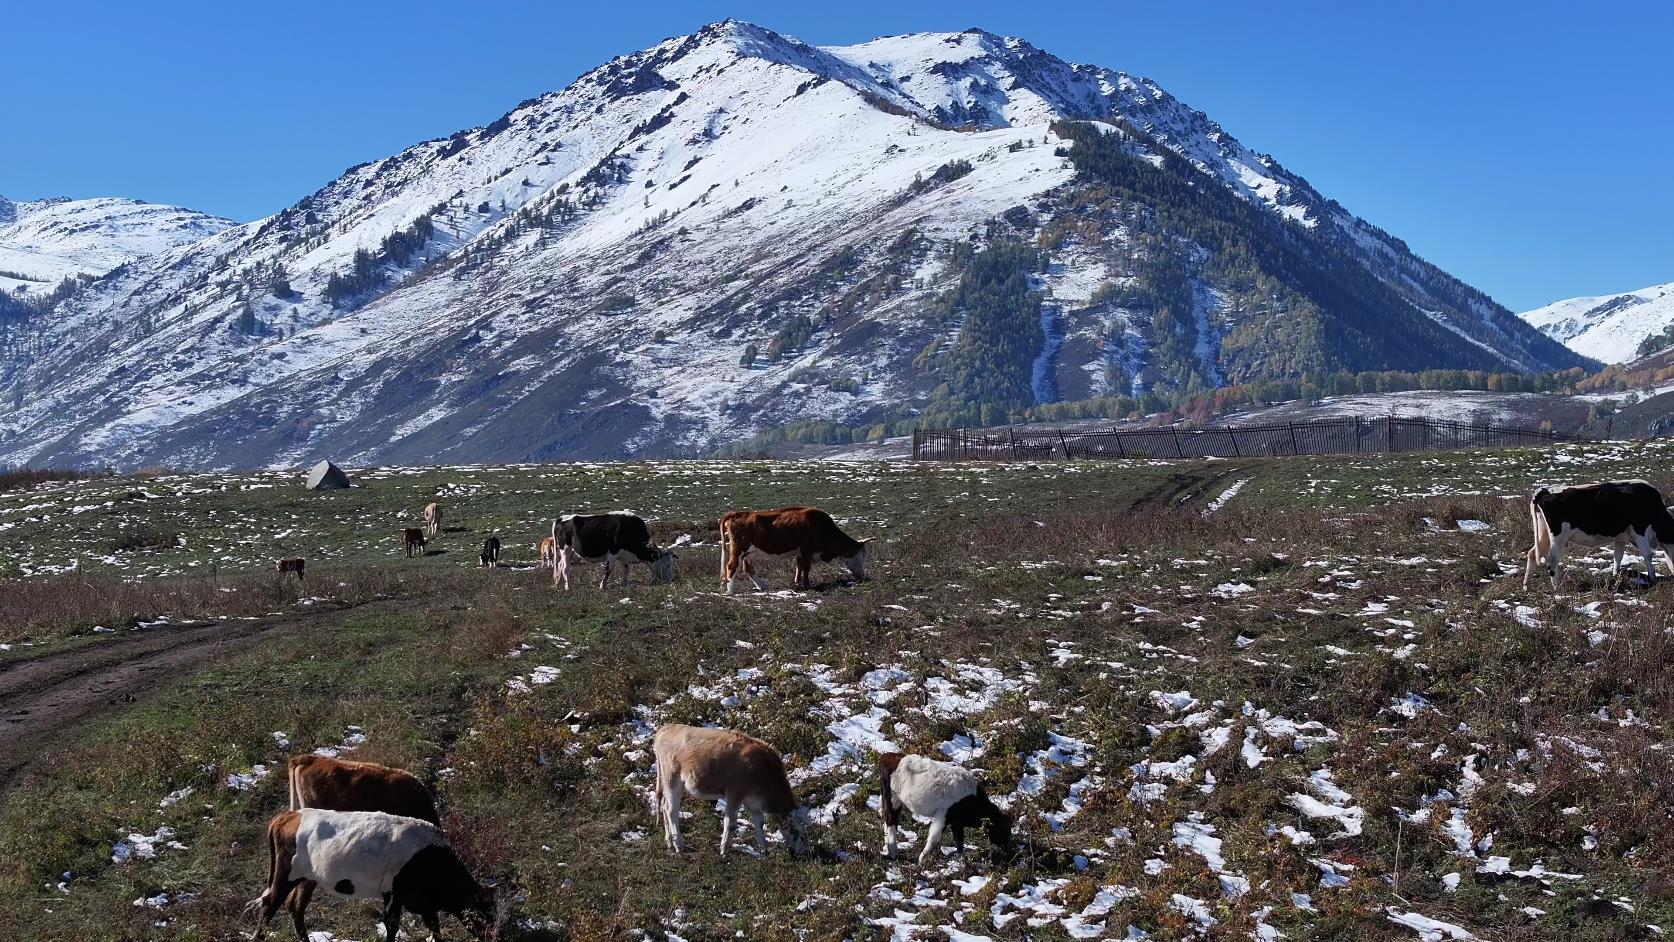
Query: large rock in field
x=326, y=477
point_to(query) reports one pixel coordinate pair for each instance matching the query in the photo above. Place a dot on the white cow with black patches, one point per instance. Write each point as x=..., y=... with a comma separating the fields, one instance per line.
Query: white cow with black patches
x=404, y=863
x=1618, y=514
x=948, y=795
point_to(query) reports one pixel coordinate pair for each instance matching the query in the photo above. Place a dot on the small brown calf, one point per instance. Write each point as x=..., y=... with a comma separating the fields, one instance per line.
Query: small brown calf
x=412, y=539
x=290, y=564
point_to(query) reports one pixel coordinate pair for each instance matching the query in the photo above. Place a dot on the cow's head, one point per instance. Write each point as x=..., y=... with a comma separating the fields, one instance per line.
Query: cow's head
x=857, y=562
x=662, y=568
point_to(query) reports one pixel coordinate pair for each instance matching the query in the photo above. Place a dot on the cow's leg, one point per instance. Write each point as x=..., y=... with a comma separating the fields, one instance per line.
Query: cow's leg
x=672, y=792
x=750, y=570
x=892, y=834
x=627, y=574
x=935, y=838
x=732, y=556
x=729, y=824
x=1555, y=561
x=758, y=821
x=804, y=570
x=299, y=907
x=392, y=917
x=1617, y=569
x=1528, y=570
x=561, y=568
x=604, y=580
x=1647, y=550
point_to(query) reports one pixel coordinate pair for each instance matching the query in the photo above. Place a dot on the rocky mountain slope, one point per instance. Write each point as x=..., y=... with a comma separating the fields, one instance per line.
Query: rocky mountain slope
x=43, y=242
x=1607, y=327
x=734, y=231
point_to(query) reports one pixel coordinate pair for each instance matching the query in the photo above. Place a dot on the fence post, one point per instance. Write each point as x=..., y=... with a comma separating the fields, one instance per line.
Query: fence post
x=1359, y=432
x=1293, y=446
x=916, y=454
x=1389, y=435
x=1011, y=438
x=1065, y=442
x=1178, y=451
x=1120, y=451
x=1232, y=436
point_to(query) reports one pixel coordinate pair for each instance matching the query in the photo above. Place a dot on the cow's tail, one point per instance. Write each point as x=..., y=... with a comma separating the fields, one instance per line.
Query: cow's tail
x=294, y=776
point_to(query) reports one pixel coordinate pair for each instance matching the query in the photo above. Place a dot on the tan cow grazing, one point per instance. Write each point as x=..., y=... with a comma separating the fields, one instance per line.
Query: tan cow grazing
x=344, y=785
x=723, y=765
x=290, y=564
x=433, y=518
x=549, y=552
x=404, y=863
x=412, y=539
x=795, y=533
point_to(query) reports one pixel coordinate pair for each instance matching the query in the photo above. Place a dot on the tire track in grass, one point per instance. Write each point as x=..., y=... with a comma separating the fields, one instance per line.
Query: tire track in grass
x=42, y=696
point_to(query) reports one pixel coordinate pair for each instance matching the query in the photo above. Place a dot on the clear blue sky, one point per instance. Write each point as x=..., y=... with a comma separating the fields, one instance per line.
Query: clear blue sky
x=1523, y=146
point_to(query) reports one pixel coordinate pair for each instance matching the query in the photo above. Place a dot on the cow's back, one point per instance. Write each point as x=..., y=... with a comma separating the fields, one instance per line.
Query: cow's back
x=343, y=785
x=1605, y=510
x=357, y=853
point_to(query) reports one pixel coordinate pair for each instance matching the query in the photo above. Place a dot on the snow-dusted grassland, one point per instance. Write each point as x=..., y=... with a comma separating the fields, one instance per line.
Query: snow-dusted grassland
x=1300, y=698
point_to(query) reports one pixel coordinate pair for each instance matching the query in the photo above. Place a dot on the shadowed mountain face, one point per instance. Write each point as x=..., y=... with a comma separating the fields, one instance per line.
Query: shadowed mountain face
x=734, y=231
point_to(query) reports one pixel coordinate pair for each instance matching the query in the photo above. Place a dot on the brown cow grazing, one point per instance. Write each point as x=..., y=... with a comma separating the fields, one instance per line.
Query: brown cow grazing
x=290, y=564
x=403, y=862
x=344, y=785
x=412, y=540
x=433, y=518
x=549, y=552
x=723, y=765
x=796, y=533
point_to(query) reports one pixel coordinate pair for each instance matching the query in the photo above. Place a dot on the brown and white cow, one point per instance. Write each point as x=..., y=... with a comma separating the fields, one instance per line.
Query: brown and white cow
x=549, y=552
x=796, y=533
x=1615, y=514
x=345, y=785
x=289, y=565
x=413, y=541
x=724, y=765
x=402, y=862
x=433, y=518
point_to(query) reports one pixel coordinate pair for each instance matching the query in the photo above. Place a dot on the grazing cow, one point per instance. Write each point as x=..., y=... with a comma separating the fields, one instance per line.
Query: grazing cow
x=403, y=862
x=290, y=564
x=619, y=537
x=433, y=518
x=947, y=794
x=344, y=785
x=412, y=539
x=1614, y=514
x=549, y=555
x=798, y=533
x=723, y=765
x=490, y=552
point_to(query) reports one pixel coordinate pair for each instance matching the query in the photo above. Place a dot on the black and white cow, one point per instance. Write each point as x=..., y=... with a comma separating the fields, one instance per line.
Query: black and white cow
x=1614, y=514
x=612, y=538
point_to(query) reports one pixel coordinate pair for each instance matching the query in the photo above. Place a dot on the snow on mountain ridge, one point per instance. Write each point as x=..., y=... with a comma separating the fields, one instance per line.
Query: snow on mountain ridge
x=598, y=256
x=48, y=240
x=1607, y=327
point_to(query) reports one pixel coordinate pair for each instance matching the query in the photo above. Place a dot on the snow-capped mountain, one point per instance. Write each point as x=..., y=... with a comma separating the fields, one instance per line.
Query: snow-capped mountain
x=43, y=242
x=1607, y=327
x=735, y=231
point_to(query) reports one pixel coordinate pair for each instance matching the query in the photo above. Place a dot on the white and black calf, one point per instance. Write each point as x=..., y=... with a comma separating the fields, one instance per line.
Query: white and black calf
x=948, y=795
x=402, y=862
x=613, y=538
x=490, y=557
x=1617, y=514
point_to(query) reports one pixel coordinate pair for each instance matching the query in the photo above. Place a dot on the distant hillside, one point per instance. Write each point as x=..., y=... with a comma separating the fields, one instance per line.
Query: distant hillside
x=1611, y=327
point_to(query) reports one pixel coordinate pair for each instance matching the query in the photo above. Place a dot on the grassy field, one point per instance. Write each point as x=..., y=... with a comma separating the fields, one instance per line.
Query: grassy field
x=1299, y=698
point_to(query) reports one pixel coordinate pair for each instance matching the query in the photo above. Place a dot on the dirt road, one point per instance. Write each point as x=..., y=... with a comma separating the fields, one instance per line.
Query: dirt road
x=41, y=697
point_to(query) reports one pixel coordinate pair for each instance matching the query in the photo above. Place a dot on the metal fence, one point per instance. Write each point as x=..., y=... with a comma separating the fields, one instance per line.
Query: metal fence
x=1324, y=437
